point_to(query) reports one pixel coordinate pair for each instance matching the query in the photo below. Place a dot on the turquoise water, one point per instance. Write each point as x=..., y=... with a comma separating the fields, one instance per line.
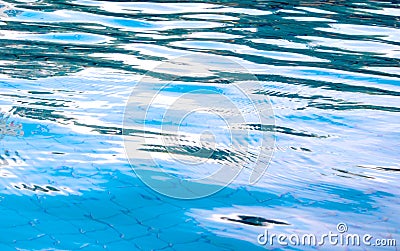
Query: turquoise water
x=68, y=68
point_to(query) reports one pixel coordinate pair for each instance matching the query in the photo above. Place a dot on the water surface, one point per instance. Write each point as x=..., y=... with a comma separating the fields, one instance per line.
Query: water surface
x=330, y=69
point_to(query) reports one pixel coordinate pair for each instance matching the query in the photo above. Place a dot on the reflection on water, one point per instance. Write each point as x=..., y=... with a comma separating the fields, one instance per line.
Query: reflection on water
x=331, y=70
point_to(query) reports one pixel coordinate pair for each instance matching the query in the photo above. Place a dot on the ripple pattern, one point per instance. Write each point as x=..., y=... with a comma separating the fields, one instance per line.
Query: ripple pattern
x=67, y=68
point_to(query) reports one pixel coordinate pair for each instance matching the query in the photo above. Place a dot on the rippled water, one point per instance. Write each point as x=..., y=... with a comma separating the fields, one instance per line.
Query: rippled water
x=330, y=69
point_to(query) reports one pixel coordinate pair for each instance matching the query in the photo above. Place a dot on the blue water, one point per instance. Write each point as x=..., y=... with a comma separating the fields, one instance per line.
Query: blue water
x=330, y=69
